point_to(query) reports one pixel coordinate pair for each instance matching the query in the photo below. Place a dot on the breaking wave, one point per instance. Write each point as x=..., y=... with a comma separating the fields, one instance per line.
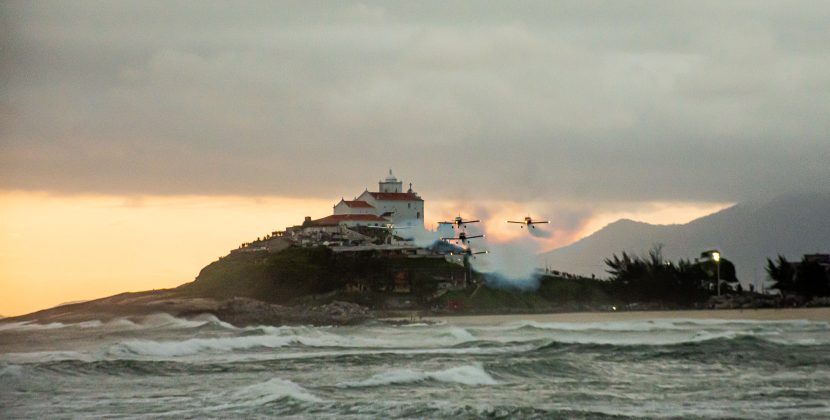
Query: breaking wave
x=164, y=320
x=198, y=345
x=658, y=325
x=707, y=343
x=460, y=334
x=46, y=356
x=252, y=396
x=11, y=371
x=465, y=375
x=276, y=337
x=155, y=321
x=29, y=326
x=273, y=390
x=306, y=337
x=645, y=340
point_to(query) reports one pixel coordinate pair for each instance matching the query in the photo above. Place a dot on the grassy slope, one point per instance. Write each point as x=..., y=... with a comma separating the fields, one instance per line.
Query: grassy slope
x=296, y=272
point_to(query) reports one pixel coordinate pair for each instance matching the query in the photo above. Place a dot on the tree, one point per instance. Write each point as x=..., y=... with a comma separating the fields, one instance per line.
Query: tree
x=782, y=273
x=653, y=278
x=807, y=278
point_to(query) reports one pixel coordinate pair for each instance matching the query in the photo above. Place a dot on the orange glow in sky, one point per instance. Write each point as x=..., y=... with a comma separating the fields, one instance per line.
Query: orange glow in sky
x=57, y=249
x=61, y=248
x=656, y=213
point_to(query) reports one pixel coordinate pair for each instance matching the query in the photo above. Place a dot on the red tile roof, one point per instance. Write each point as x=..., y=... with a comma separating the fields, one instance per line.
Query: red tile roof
x=396, y=196
x=358, y=203
x=335, y=219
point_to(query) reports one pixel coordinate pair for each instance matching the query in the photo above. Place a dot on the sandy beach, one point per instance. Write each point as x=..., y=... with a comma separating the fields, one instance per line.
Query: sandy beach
x=811, y=314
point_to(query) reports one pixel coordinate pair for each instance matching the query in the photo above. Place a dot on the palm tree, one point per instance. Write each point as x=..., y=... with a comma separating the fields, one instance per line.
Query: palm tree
x=783, y=274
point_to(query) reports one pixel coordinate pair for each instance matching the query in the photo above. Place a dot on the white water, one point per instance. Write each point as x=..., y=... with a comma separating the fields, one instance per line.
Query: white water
x=203, y=367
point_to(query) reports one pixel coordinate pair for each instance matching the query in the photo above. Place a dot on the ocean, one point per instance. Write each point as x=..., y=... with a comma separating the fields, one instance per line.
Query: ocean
x=161, y=366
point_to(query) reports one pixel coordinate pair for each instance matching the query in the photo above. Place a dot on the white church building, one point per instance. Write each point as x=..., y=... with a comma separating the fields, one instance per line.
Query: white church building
x=390, y=204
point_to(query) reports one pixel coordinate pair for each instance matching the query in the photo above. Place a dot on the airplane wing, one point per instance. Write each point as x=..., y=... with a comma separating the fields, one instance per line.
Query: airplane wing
x=389, y=227
x=469, y=253
x=536, y=223
x=469, y=221
x=513, y=221
x=474, y=236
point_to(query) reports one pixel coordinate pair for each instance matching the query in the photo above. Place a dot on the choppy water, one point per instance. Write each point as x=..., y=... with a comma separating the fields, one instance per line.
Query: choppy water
x=163, y=366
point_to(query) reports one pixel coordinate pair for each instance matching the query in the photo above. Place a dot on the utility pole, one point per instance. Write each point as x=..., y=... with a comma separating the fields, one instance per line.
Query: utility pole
x=716, y=257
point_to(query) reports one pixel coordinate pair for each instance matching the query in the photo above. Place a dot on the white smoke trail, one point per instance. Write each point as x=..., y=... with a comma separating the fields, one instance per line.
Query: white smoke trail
x=538, y=232
x=421, y=236
x=509, y=263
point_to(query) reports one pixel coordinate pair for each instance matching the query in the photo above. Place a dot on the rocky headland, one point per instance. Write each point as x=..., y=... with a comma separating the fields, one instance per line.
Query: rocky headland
x=239, y=311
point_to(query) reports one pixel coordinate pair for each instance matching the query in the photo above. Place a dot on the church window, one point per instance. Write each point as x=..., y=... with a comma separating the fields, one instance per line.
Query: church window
x=418, y=215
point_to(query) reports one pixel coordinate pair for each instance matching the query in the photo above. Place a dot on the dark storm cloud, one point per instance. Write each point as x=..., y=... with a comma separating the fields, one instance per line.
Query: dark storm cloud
x=579, y=100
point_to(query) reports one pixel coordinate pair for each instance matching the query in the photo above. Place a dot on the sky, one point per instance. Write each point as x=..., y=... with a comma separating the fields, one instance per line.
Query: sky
x=140, y=140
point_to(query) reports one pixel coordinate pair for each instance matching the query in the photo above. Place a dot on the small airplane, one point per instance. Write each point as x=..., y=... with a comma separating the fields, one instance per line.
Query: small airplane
x=469, y=252
x=459, y=222
x=463, y=238
x=529, y=222
x=389, y=226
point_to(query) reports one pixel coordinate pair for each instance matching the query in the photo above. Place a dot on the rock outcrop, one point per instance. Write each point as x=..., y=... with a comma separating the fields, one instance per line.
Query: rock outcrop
x=244, y=311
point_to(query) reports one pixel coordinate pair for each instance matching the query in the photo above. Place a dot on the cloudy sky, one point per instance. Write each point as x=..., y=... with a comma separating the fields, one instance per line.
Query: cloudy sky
x=569, y=108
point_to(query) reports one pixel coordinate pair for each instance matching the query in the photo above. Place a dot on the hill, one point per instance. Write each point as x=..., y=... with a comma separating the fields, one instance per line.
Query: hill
x=747, y=234
x=292, y=274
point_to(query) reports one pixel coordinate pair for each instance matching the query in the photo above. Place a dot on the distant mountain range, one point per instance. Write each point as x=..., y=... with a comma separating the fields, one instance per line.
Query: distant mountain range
x=746, y=234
